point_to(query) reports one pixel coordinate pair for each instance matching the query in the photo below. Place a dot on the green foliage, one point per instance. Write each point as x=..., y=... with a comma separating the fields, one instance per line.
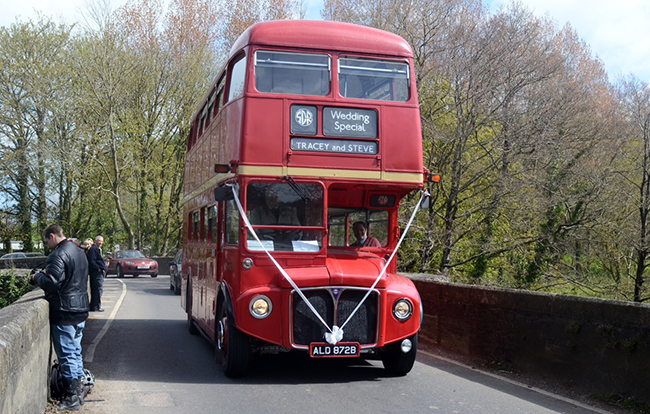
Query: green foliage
x=544, y=162
x=12, y=287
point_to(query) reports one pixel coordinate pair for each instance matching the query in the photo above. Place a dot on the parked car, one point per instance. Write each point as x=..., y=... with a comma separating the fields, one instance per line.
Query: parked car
x=34, y=254
x=14, y=256
x=131, y=262
x=175, y=273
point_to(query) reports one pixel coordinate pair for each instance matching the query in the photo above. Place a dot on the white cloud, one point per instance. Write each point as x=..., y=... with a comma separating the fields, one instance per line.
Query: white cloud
x=618, y=32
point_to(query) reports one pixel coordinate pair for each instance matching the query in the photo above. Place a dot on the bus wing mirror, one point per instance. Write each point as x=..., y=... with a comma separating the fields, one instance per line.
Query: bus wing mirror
x=426, y=203
x=223, y=194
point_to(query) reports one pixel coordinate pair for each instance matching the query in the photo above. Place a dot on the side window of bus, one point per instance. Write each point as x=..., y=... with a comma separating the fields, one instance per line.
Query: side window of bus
x=209, y=110
x=232, y=223
x=212, y=224
x=237, y=79
x=196, y=225
x=202, y=122
x=337, y=235
x=378, y=226
x=374, y=79
x=294, y=73
x=219, y=95
x=341, y=225
x=206, y=224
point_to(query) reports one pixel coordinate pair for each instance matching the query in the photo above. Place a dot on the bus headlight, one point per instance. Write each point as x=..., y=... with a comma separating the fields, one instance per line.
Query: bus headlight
x=261, y=307
x=402, y=309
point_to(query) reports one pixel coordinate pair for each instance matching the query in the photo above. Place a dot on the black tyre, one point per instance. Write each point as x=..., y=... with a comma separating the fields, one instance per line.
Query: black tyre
x=397, y=362
x=154, y=275
x=176, y=289
x=191, y=327
x=233, y=345
x=119, y=271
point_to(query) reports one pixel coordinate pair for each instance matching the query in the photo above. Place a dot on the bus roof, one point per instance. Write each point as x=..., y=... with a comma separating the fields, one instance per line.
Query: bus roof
x=324, y=35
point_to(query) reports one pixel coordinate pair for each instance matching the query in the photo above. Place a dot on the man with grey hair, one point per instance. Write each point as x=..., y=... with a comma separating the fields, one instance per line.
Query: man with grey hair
x=97, y=269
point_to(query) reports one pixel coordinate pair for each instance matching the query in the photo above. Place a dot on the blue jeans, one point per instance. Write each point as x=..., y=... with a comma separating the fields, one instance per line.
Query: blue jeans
x=67, y=344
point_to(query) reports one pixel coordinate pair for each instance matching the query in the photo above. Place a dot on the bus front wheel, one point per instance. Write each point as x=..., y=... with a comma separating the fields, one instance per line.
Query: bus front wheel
x=188, y=303
x=233, y=345
x=397, y=362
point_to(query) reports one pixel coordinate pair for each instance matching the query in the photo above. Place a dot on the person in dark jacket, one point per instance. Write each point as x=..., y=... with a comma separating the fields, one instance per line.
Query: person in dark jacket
x=97, y=268
x=65, y=282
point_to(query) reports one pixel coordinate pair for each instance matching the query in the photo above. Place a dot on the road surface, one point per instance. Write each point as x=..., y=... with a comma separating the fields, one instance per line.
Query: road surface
x=145, y=361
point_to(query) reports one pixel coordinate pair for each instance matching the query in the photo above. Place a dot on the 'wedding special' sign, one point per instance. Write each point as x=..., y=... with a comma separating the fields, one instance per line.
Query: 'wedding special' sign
x=349, y=122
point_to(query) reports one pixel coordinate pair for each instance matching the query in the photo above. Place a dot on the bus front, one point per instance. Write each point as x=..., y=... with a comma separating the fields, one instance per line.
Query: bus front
x=331, y=143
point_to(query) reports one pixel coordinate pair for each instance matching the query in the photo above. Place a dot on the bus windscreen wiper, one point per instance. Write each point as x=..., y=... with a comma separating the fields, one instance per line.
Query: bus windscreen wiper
x=297, y=188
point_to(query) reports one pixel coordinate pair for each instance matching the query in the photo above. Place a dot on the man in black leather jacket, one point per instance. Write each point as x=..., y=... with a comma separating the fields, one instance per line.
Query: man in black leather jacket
x=65, y=282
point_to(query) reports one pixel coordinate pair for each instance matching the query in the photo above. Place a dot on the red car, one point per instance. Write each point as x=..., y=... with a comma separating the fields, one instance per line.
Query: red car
x=131, y=262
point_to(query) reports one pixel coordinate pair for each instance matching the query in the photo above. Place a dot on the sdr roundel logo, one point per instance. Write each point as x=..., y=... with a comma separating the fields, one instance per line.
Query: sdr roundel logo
x=304, y=119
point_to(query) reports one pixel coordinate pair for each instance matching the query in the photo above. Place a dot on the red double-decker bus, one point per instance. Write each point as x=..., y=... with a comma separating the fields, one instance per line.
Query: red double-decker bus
x=297, y=161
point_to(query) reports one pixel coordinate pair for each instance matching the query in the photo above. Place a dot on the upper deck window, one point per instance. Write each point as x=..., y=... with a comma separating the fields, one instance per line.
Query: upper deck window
x=293, y=73
x=375, y=79
x=237, y=78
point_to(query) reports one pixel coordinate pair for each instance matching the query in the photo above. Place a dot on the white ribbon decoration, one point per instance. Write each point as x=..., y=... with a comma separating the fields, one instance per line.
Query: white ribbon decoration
x=242, y=213
x=335, y=334
x=383, y=271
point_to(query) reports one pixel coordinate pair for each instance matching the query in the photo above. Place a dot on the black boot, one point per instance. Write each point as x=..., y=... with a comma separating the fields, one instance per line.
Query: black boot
x=71, y=401
x=83, y=390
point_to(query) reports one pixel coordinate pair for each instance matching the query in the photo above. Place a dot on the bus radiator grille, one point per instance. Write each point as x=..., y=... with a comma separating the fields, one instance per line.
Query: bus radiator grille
x=362, y=328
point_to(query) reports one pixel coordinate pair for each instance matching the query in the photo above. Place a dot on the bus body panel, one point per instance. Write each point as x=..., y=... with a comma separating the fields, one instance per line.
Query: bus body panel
x=322, y=35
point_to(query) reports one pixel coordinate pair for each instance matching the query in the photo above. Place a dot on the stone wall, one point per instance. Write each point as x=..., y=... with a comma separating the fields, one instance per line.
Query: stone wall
x=24, y=355
x=599, y=347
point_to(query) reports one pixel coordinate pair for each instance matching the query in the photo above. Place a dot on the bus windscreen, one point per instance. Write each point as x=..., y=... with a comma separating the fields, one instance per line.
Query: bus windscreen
x=285, y=216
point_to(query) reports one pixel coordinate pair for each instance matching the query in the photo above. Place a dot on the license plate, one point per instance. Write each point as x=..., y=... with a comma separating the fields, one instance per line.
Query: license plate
x=143, y=267
x=340, y=350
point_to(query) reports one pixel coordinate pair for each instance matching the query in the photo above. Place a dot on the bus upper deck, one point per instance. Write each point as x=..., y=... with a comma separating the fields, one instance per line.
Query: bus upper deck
x=310, y=99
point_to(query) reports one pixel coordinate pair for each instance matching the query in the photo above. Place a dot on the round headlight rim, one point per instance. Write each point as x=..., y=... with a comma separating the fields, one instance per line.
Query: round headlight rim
x=269, y=304
x=406, y=317
x=247, y=263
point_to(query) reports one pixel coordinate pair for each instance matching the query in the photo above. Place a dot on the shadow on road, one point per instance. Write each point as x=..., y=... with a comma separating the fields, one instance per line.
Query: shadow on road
x=164, y=351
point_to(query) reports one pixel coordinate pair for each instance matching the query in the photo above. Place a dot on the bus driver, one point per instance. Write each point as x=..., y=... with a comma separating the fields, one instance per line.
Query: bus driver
x=362, y=236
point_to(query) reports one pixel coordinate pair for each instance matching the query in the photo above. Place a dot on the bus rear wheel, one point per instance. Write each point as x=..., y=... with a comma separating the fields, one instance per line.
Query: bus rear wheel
x=233, y=345
x=397, y=362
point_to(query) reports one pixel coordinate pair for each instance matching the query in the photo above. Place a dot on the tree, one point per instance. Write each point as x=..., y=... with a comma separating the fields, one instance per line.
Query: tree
x=635, y=170
x=31, y=59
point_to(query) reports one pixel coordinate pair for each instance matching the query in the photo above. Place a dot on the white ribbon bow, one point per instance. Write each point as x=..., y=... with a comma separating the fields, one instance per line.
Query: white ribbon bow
x=335, y=336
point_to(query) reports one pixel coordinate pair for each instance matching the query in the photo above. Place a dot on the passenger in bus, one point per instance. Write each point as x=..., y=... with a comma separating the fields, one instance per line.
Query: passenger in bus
x=363, y=239
x=274, y=212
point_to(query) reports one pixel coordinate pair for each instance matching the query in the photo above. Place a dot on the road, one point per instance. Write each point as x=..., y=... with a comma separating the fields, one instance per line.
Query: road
x=145, y=361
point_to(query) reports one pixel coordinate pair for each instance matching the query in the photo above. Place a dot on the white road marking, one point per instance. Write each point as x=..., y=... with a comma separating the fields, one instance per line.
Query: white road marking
x=90, y=353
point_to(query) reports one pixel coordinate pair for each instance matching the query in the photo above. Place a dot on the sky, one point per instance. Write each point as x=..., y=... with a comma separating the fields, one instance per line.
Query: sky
x=618, y=32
